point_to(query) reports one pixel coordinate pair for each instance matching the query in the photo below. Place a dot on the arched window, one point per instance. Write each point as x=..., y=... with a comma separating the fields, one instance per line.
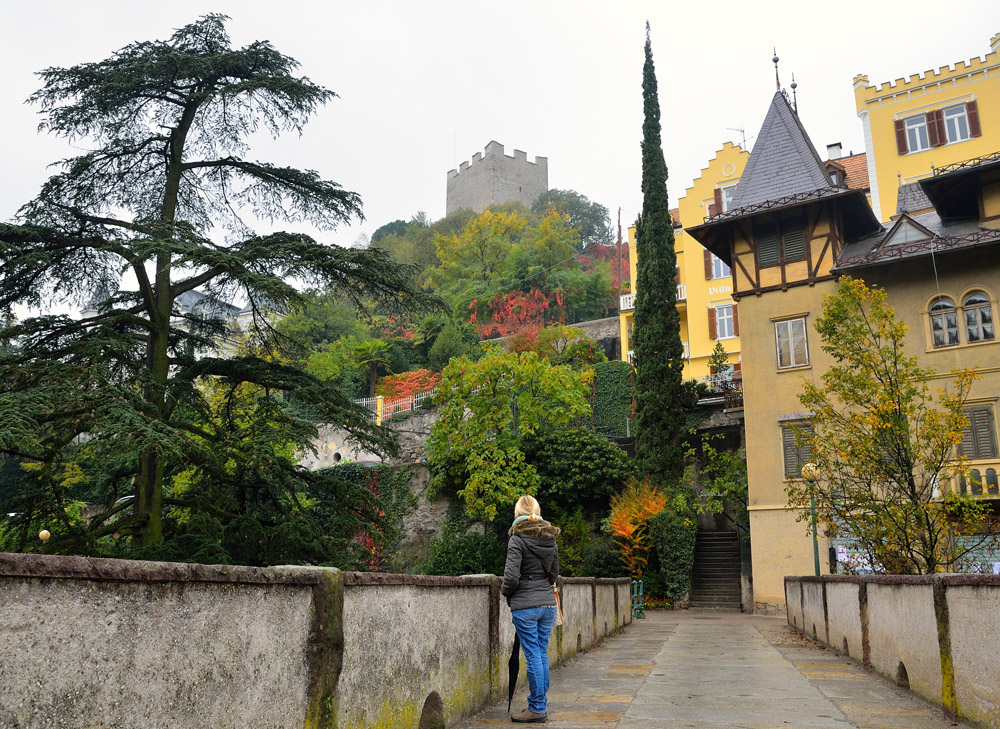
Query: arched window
x=978, y=317
x=944, y=322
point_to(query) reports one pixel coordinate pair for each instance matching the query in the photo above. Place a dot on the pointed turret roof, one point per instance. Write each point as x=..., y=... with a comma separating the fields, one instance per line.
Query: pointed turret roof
x=783, y=161
x=783, y=172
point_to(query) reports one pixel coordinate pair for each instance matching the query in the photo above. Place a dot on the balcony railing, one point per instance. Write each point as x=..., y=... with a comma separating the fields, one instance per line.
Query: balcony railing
x=734, y=393
x=626, y=302
x=983, y=480
x=630, y=354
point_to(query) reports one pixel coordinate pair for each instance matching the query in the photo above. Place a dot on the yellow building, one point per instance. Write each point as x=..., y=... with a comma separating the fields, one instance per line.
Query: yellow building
x=787, y=224
x=916, y=124
x=704, y=288
x=792, y=230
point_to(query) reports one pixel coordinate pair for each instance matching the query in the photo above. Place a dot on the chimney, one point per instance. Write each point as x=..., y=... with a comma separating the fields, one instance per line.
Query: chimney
x=834, y=151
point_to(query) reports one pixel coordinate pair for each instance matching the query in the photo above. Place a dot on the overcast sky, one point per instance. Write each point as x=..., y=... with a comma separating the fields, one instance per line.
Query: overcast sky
x=424, y=85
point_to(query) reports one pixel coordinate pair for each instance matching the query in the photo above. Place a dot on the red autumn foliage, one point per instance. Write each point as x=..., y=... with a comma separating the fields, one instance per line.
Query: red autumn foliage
x=619, y=265
x=524, y=339
x=407, y=384
x=513, y=311
x=395, y=328
x=367, y=540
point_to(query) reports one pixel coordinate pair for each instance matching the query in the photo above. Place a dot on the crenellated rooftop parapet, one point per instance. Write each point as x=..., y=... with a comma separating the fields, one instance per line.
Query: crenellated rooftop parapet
x=496, y=150
x=866, y=93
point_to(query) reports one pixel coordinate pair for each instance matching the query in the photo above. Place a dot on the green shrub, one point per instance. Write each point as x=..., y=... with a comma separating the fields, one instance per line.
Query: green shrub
x=460, y=552
x=603, y=560
x=653, y=585
x=577, y=467
x=673, y=531
x=612, y=397
x=574, y=540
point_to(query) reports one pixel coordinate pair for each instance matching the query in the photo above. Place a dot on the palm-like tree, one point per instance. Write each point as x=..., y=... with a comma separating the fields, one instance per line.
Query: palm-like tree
x=374, y=353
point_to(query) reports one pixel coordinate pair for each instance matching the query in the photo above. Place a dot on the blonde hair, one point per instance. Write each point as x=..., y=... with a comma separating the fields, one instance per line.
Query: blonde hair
x=528, y=506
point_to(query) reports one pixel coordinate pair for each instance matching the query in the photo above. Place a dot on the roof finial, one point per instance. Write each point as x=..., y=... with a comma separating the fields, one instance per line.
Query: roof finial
x=795, y=101
x=777, y=82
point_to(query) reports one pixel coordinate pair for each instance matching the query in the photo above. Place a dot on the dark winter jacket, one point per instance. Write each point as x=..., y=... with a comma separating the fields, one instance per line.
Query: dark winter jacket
x=524, y=583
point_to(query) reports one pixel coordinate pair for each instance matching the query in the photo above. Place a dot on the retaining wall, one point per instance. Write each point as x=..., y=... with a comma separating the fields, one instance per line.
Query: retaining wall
x=938, y=635
x=119, y=644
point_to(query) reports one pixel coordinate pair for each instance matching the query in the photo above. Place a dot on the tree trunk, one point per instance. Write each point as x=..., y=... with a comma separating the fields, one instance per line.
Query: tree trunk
x=149, y=484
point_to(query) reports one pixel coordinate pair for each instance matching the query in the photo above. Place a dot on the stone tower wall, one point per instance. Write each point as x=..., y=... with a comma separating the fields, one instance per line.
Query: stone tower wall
x=493, y=178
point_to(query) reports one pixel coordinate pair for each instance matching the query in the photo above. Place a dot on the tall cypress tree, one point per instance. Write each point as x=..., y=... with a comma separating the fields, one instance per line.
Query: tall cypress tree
x=657, y=342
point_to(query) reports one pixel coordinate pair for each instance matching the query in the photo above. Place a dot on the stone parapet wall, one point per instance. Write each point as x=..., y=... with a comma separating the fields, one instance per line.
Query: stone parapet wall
x=116, y=643
x=938, y=635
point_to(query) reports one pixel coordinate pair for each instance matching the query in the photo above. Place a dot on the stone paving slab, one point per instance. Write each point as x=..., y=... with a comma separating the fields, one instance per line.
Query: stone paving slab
x=707, y=669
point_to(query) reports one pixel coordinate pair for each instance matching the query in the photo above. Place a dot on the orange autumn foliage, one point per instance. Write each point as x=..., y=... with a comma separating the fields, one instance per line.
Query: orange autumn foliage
x=628, y=523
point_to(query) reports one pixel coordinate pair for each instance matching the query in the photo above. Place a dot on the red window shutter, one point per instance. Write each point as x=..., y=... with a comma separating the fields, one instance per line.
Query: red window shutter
x=713, y=210
x=934, y=135
x=708, y=265
x=677, y=277
x=737, y=367
x=939, y=121
x=901, y=136
x=736, y=320
x=718, y=200
x=972, y=111
x=712, y=329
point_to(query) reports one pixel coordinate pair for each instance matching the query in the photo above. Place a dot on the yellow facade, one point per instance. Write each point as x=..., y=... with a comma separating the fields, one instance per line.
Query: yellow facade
x=704, y=285
x=780, y=542
x=891, y=106
x=773, y=297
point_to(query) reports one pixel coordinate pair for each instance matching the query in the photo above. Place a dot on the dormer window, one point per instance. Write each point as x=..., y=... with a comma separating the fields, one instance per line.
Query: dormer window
x=907, y=232
x=838, y=175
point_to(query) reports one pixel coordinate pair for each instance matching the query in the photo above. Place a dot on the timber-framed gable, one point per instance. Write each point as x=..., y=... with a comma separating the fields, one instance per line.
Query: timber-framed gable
x=780, y=249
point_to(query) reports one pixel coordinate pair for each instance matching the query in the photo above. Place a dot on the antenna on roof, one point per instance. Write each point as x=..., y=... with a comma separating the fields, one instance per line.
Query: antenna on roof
x=795, y=101
x=777, y=82
x=743, y=134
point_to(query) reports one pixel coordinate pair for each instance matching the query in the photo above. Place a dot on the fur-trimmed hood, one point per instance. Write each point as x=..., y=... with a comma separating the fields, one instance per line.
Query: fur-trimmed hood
x=538, y=529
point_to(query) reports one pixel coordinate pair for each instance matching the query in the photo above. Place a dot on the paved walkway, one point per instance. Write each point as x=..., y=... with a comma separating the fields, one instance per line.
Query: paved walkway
x=708, y=669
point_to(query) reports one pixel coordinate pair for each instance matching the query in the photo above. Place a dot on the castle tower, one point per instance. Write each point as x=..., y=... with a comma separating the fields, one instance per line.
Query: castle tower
x=494, y=178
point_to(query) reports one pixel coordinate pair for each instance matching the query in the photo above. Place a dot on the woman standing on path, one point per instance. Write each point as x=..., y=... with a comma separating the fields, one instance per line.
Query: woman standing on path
x=531, y=555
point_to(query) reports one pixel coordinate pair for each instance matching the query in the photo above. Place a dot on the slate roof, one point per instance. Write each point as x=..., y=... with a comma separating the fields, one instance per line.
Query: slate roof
x=783, y=161
x=784, y=171
x=948, y=236
x=911, y=198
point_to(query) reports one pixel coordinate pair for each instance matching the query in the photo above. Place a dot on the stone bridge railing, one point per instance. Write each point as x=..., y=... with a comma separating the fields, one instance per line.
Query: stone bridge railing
x=100, y=642
x=937, y=635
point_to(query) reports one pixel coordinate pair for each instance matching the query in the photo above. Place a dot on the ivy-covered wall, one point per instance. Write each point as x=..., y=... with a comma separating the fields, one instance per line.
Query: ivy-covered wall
x=612, y=398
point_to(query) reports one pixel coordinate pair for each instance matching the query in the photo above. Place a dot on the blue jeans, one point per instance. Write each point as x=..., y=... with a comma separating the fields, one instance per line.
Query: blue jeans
x=533, y=626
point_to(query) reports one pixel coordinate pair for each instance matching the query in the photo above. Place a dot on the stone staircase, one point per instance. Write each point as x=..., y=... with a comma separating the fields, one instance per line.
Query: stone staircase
x=716, y=579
